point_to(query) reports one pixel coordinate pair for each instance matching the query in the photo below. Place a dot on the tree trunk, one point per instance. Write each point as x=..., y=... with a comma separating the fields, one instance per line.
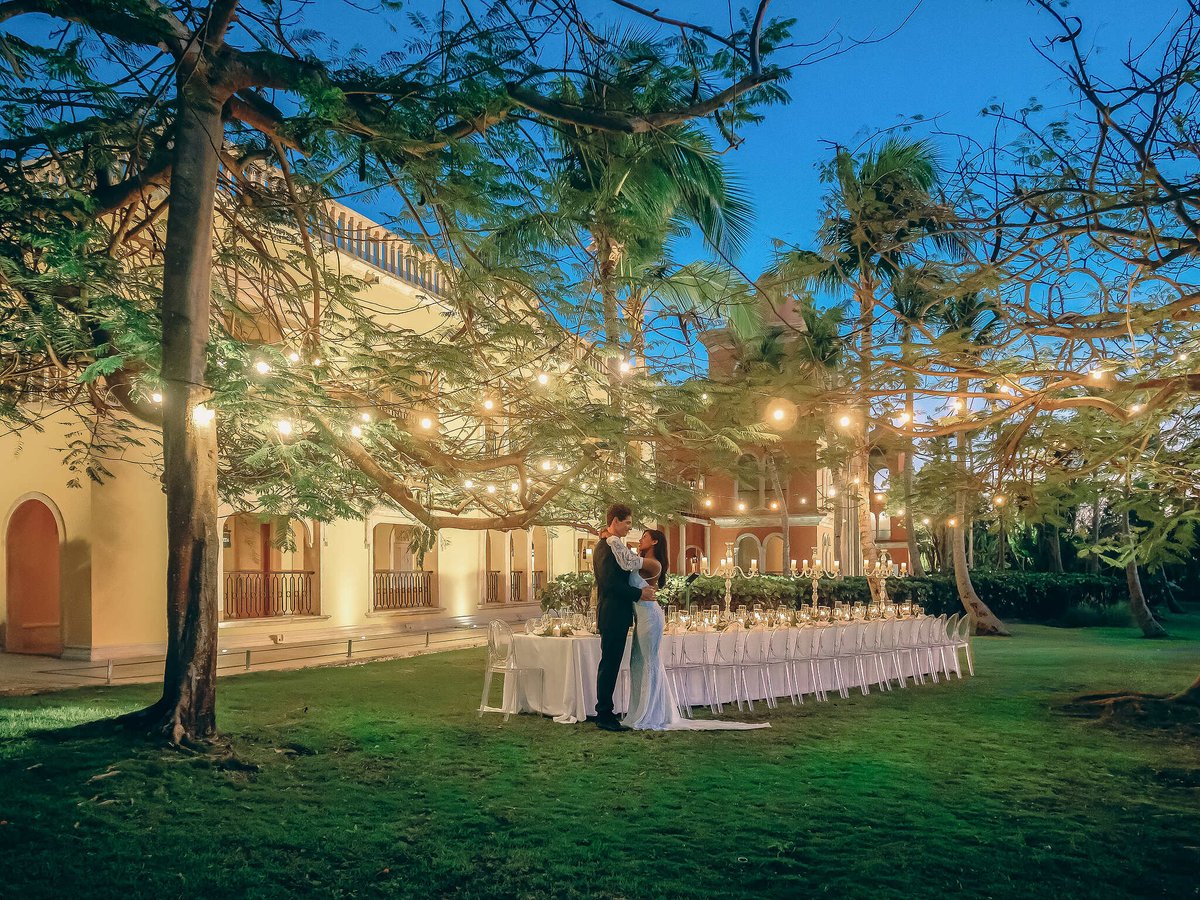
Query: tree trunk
x=784, y=513
x=860, y=459
x=187, y=710
x=983, y=619
x=906, y=474
x=1093, y=559
x=1054, y=542
x=607, y=257
x=1000, y=555
x=1137, y=599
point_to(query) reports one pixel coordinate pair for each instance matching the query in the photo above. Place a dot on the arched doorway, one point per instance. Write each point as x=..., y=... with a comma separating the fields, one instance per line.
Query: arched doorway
x=774, y=563
x=747, y=553
x=34, y=601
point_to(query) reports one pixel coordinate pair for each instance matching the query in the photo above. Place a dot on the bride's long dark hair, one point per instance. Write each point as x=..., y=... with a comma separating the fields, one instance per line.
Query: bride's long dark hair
x=659, y=551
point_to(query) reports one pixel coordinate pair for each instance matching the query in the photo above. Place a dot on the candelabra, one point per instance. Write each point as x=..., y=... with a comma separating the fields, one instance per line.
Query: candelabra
x=880, y=571
x=728, y=569
x=816, y=572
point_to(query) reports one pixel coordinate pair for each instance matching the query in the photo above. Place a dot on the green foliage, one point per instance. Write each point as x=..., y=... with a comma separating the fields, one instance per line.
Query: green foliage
x=572, y=590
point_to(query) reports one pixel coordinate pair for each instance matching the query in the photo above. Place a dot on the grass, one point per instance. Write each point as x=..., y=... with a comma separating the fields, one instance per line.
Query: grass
x=379, y=780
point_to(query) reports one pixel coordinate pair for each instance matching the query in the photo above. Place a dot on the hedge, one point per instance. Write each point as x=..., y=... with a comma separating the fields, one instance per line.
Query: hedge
x=1030, y=596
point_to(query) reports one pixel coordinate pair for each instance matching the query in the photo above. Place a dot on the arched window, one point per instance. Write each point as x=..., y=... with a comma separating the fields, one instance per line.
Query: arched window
x=747, y=553
x=773, y=561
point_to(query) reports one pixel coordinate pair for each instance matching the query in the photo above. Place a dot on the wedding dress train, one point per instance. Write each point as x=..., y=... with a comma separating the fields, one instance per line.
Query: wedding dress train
x=652, y=705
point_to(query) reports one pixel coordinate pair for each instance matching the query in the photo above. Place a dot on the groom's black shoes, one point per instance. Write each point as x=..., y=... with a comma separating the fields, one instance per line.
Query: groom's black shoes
x=611, y=723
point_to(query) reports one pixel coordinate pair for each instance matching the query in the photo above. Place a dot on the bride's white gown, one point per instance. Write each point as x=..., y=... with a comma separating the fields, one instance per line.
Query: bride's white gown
x=652, y=705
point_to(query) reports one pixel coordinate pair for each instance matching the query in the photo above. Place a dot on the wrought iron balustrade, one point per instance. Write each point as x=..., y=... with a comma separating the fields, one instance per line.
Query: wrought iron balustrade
x=516, y=586
x=260, y=595
x=492, y=588
x=403, y=589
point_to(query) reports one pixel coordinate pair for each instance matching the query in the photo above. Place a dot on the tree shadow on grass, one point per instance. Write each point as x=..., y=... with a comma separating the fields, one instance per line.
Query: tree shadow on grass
x=1138, y=711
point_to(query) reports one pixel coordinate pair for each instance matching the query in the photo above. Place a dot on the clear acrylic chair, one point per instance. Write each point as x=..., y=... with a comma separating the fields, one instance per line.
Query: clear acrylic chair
x=907, y=634
x=946, y=646
x=925, y=639
x=961, y=640
x=805, y=651
x=730, y=647
x=678, y=668
x=889, y=646
x=756, y=656
x=500, y=661
x=780, y=653
x=869, y=655
x=829, y=648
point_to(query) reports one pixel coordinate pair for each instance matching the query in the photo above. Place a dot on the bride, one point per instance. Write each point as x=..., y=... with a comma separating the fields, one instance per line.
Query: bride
x=652, y=703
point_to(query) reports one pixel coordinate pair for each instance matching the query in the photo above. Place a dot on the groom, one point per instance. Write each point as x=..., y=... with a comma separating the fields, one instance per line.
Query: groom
x=614, y=614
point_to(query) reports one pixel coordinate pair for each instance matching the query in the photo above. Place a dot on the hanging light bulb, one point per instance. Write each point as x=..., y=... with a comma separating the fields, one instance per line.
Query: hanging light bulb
x=998, y=500
x=704, y=396
x=952, y=522
x=708, y=502
x=804, y=501
x=294, y=357
x=612, y=479
x=543, y=378
x=426, y=423
x=774, y=504
x=156, y=397
x=468, y=484
x=879, y=497
x=903, y=418
x=489, y=404
x=491, y=489
x=1136, y=408
x=833, y=492
x=925, y=521
x=844, y=421
x=514, y=487
x=262, y=367
x=366, y=417
x=202, y=415
x=956, y=404
x=741, y=507
x=547, y=465
x=624, y=367
x=778, y=415
x=284, y=426
x=317, y=361
x=356, y=431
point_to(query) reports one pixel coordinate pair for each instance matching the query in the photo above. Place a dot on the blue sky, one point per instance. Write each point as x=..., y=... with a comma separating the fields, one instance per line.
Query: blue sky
x=946, y=60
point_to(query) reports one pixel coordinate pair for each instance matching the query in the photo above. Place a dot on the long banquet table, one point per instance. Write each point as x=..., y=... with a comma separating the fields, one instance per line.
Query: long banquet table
x=567, y=689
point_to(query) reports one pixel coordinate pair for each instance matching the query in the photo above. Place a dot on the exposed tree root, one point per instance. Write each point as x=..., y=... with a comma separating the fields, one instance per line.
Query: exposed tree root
x=1138, y=710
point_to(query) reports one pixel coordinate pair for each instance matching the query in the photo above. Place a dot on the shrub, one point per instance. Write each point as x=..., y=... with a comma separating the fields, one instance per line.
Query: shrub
x=573, y=590
x=1031, y=596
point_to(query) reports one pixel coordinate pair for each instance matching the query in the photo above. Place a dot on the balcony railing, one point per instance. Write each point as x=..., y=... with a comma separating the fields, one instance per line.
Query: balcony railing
x=396, y=589
x=260, y=595
x=516, y=586
x=539, y=582
x=491, y=588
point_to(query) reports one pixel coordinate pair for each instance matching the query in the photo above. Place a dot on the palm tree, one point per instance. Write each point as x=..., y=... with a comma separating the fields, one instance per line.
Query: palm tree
x=881, y=210
x=628, y=195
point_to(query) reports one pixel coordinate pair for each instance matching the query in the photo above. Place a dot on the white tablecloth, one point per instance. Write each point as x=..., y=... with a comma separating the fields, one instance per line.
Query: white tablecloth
x=567, y=688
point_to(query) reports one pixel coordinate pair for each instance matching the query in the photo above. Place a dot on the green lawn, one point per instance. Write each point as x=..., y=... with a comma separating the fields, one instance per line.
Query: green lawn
x=379, y=780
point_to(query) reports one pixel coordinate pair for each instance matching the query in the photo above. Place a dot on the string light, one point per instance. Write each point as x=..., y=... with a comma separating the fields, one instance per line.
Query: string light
x=708, y=502
x=925, y=521
x=741, y=507
x=426, y=423
x=356, y=431
x=543, y=378
x=624, y=367
x=903, y=418
x=262, y=367
x=202, y=415
x=704, y=396
x=366, y=417
x=294, y=357
x=1097, y=374
x=284, y=426
x=546, y=465
x=491, y=489
x=952, y=522
x=844, y=421
x=1136, y=408
x=879, y=496
x=156, y=397
x=612, y=479
x=1182, y=357
x=468, y=484
x=489, y=404
x=833, y=492
x=317, y=362
x=515, y=486
x=998, y=500
x=778, y=415
x=804, y=501
x=956, y=404
x=774, y=504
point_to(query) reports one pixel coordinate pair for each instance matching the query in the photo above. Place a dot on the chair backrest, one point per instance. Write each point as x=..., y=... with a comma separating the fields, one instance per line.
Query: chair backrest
x=939, y=630
x=780, y=645
x=500, y=640
x=732, y=644
x=951, y=630
x=964, y=629
x=889, y=631
x=757, y=645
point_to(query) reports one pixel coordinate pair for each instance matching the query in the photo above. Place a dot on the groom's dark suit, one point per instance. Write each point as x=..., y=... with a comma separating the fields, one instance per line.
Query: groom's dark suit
x=614, y=615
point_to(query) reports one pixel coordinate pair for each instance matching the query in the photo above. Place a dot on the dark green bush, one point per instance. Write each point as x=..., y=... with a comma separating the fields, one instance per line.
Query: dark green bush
x=1031, y=596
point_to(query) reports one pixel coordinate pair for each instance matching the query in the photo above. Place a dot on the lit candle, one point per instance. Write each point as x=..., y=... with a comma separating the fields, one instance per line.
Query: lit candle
x=754, y=565
x=805, y=563
x=837, y=564
x=704, y=562
x=794, y=563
